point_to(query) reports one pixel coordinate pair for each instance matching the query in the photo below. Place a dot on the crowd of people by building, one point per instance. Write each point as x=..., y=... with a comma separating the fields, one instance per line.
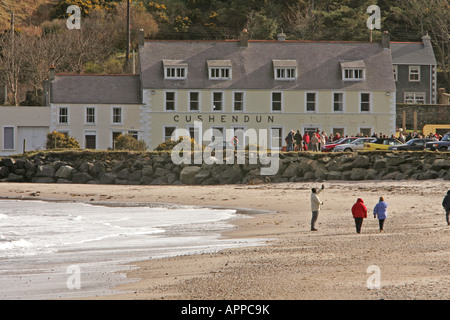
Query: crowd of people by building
x=314, y=141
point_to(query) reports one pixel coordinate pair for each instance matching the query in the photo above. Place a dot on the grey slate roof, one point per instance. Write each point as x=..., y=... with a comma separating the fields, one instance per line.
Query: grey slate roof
x=318, y=64
x=96, y=89
x=412, y=53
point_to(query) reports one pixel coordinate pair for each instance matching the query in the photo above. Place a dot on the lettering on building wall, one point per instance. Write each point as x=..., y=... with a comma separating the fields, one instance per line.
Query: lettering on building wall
x=224, y=118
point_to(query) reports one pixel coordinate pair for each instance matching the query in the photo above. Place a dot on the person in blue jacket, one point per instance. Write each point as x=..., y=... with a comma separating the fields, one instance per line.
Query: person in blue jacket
x=380, y=211
x=446, y=205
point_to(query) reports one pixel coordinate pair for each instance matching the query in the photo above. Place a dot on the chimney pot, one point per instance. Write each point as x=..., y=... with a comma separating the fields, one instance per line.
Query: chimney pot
x=51, y=75
x=281, y=36
x=386, y=40
x=141, y=37
x=426, y=40
x=244, y=39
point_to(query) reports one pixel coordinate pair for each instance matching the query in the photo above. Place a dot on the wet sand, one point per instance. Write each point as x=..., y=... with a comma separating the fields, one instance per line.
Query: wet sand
x=333, y=263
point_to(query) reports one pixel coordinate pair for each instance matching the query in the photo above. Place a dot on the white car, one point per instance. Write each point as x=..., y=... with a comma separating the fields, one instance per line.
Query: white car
x=356, y=145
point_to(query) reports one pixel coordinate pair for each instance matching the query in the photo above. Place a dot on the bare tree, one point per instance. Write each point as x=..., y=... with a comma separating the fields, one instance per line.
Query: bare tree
x=431, y=17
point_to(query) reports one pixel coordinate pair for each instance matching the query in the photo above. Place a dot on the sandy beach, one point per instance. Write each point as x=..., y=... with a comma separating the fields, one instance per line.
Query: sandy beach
x=333, y=263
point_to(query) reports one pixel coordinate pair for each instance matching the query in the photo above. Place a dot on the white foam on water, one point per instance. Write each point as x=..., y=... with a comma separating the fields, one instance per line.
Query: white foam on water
x=39, y=240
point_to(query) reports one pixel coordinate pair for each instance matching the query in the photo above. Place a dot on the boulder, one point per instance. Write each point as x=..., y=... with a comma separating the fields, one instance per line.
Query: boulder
x=201, y=176
x=4, y=172
x=107, y=178
x=64, y=172
x=187, y=175
x=45, y=171
x=361, y=162
x=81, y=177
x=358, y=174
x=231, y=175
x=12, y=177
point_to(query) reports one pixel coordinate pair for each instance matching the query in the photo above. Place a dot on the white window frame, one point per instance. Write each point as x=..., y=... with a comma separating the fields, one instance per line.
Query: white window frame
x=366, y=127
x=349, y=74
x=86, y=122
x=415, y=99
x=339, y=128
x=96, y=137
x=370, y=102
x=220, y=128
x=316, y=101
x=175, y=73
x=220, y=73
x=174, y=101
x=222, y=109
x=59, y=115
x=285, y=74
x=244, y=129
x=112, y=137
x=243, y=101
x=414, y=71
x=121, y=115
x=13, y=138
x=281, y=102
x=333, y=101
x=282, y=135
x=198, y=101
x=164, y=131
x=395, y=71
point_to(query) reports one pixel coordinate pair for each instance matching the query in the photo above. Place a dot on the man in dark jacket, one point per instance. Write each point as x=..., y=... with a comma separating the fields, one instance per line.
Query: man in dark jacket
x=446, y=205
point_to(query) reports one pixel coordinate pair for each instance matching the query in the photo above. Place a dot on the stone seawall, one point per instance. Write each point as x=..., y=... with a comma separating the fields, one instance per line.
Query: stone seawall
x=124, y=168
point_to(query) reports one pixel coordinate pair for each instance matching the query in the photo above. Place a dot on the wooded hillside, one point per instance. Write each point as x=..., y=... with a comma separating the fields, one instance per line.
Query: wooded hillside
x=42, y=37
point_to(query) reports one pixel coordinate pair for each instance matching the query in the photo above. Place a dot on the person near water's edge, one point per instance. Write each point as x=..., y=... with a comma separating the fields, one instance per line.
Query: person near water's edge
x=315, y=206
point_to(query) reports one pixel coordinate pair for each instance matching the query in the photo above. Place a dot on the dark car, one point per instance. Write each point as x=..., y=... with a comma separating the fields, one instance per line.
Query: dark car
x=439, y=145
x=417, y=144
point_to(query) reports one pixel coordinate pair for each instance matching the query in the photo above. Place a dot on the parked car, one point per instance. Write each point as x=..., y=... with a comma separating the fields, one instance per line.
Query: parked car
x=413, y=145
x=330, y=147
x=439, y=145
x=355, y=145
x=381, y=144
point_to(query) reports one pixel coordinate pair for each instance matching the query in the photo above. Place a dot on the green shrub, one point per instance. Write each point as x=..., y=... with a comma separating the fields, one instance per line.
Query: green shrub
x=128, y=142
x=58, y=140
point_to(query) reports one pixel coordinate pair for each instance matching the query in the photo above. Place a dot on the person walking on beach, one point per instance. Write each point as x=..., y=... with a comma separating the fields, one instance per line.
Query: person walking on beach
x=359, y=212
x=315, y=206
x=446, y=205
x=380, y=211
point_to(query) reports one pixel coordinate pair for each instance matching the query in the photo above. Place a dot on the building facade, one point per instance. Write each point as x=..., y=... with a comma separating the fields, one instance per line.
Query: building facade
x=415, y=72
x=344, y=87
x=229, y=87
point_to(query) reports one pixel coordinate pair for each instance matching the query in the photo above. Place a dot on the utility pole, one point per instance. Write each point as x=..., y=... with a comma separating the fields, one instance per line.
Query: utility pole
x=13, y=62
x=127, y=64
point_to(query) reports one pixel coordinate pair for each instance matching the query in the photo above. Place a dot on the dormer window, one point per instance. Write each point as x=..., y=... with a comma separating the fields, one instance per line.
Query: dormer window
x=175, y=69
x=353, y=70
x=285, y=70
x=220, y=70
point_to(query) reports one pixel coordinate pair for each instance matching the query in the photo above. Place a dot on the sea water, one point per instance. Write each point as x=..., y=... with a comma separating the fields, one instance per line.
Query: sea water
x=52, y=250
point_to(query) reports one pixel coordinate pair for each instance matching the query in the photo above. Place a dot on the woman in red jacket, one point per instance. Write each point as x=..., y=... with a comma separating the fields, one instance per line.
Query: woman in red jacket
x=359, y=211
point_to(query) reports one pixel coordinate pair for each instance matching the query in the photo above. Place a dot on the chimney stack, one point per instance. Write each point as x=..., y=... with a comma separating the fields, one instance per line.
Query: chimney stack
x=281, y=36
x=386, y=40
x=426, y=40
x=51, y=75
x=244, y=39
x=141, y=37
